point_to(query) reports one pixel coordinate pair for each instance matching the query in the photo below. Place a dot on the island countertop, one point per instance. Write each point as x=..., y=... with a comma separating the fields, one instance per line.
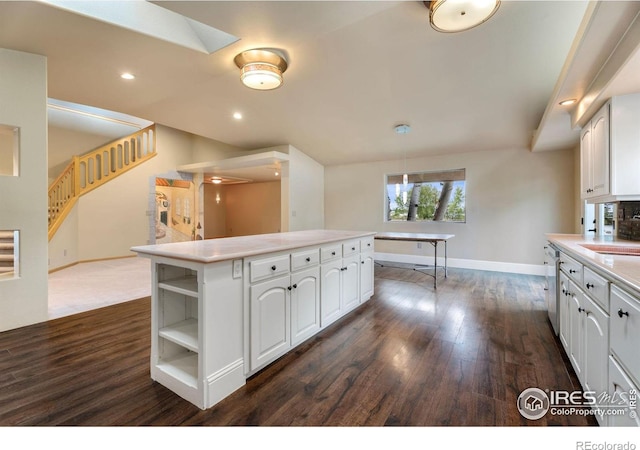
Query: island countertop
x=624, y=268
x=221, y=249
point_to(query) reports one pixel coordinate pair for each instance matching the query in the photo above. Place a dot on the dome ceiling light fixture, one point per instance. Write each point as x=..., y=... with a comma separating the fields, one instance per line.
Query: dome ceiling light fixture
x=261, y=69
x=452, y=16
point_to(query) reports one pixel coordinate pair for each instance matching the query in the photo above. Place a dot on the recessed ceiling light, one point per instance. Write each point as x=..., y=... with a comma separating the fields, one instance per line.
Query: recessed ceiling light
x=237, y=115
x=567, y=102
x=127, y=76
x=216, y=180
x=402, y=129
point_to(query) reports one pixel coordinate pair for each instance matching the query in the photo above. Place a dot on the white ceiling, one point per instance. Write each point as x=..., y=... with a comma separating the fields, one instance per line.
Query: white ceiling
x=356, y=69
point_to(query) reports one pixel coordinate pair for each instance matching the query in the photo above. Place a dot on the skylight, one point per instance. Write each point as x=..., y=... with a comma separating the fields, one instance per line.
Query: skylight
x=152, y=20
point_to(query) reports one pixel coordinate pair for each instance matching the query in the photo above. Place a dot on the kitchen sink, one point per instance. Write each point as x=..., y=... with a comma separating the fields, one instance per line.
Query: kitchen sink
x=613, y=249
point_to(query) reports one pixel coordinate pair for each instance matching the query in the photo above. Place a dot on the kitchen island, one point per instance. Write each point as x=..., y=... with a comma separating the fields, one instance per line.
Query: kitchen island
x=223, y=309
x=598, y=298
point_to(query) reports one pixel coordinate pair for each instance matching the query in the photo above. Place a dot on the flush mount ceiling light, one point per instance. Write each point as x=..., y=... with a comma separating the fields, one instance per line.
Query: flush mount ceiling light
x=567, y=102
x=261, y=69
x=451, y=16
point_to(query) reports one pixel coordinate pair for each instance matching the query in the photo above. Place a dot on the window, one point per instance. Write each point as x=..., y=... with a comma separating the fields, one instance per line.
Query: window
x=426, y=196
x=9, y=246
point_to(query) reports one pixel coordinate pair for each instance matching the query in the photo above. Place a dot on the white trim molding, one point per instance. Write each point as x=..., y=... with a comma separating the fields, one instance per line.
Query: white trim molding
x=492, y=266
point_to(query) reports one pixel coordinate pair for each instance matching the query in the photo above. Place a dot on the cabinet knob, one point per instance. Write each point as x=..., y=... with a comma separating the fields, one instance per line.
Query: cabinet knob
x=295, y=286
x=343, y=268
x=572, y=271
x=589, y=285
x=353, y=249
x=369, y=244
x=273, y=267
x=580, y=309
x=333, y=253
x=289, y=287
x=622, y=313
x=308, y=259
x=361, y=262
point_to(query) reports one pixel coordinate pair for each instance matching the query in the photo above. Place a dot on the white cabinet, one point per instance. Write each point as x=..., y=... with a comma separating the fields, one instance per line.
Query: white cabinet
x=175, y=347
x=350, y=282
x=305, y=304
x=625, y=332
x=330, y=292
x=595, y=371
x=269, y=311
x=216, y=320
x=594, y=155
x=366, y=276
x=340, y=285
x=584, y=324
x=185, y=355
x=609, y=159
x=576, y=329
x=563, y=311
x=624, y=392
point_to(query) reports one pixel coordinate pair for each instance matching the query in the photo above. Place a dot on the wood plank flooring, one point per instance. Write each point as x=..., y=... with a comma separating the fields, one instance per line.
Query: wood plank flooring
x=409, y=357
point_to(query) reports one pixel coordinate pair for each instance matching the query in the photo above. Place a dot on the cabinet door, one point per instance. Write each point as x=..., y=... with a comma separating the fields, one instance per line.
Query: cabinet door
x=351, y=282
x=366, y=276
x=305, y=304
x=586, y=175
x=564, y=310
x=596, y=350
x=576, y=327
x=330, y=292
x=270, y=332
x=600, y=166
x=621, y=390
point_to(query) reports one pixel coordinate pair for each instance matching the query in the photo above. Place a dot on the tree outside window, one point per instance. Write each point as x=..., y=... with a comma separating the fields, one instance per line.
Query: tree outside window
x=426, y=196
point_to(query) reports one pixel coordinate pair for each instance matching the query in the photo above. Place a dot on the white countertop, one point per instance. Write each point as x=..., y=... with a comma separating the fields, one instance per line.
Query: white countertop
x=221, y=249
x=622, y=268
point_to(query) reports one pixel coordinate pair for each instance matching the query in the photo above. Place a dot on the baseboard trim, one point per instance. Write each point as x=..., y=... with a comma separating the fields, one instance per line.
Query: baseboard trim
x=491, y=266
x=66, y=266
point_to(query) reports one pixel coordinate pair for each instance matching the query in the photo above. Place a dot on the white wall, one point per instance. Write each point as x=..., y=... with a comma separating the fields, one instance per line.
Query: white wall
x=305, y=203
x=23, y=199
x=513, y=198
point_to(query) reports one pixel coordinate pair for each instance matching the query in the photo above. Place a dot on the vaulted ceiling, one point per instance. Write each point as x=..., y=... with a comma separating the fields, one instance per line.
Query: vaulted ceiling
x=356, y=69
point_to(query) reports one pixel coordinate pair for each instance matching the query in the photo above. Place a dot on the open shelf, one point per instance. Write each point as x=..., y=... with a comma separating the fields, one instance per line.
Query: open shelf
x=183, y=333
x=184, y=285
x=183, y=368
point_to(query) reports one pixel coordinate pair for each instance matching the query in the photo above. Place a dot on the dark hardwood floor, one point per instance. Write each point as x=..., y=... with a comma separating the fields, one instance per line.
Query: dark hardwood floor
x=409, y=357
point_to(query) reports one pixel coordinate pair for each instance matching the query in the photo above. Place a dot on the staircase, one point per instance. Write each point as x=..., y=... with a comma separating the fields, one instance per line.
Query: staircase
x=7, y=257
x=89, y=171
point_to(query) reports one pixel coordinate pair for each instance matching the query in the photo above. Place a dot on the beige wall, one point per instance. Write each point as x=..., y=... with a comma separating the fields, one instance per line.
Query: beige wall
x=23, y=199
x=513, y=198
x=252, y=208
x=215, y=212
x=64, y=144
x=112, y=219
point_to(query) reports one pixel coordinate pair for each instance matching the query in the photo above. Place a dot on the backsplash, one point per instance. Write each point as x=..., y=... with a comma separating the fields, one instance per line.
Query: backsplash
x=628, y=227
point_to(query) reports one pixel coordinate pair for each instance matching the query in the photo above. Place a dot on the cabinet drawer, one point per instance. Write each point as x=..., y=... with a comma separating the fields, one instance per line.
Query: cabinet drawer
x=624, y=331
x=263, y=269
x=330, y=252
x=351, y=247
x=366, y=244
x=571, y=267
x=308, y=258
x=597, y=288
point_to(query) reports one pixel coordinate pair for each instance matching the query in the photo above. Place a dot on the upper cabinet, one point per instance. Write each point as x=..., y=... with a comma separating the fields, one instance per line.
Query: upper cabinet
x=610, y=152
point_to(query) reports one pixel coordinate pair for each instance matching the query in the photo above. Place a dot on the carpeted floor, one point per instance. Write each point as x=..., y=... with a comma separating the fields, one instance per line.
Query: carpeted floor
x=92, y=285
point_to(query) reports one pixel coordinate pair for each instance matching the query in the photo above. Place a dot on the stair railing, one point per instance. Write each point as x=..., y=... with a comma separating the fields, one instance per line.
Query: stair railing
x=95, y=168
